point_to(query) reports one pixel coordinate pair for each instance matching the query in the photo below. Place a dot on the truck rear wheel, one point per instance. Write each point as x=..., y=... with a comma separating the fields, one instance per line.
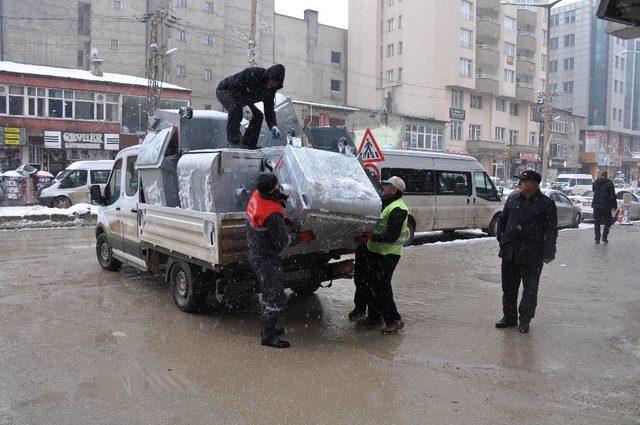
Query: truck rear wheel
x=105, y=254
x=185, y=287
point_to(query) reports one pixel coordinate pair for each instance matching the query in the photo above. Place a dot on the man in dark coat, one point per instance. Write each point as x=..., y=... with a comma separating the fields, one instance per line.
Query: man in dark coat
x=244, y=89
x=527, y=233
x=604, y=200
x=268, y=233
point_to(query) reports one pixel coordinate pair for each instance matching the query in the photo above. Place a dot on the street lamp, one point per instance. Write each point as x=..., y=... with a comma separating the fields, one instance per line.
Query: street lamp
x=547, y=95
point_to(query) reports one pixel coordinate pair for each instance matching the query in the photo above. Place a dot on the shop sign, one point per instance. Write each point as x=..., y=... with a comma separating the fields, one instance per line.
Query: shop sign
x=12, y=136
x=457, y=114
x=591, y=142
x=82, y=140
x=530, y=157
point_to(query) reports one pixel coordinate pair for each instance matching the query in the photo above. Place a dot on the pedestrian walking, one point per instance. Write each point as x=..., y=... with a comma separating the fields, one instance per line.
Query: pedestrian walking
x=604, y=200
x=527, y=233
x=380, y=257
x=268, y=233
x=243, y=90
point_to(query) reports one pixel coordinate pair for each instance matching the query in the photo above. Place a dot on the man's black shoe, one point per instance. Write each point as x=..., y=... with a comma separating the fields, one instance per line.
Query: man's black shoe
x=370, y=322
x=506, y=323
x=275, y=342
x=604, y=240
x=597, y=242
x=357, y=314
x=279, y=330
x=523, y=327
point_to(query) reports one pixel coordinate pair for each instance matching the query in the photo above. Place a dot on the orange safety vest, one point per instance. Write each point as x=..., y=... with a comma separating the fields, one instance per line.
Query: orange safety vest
x=259, y=209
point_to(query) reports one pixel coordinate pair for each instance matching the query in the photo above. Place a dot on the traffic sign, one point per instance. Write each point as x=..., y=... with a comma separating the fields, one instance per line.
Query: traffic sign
x=369, y=150
x=374, y=168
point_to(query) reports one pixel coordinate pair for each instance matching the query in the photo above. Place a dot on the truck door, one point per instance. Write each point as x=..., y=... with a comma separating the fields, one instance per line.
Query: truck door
x=453, y=200
x=110, y=213
x=485, y=201
x=129, y=208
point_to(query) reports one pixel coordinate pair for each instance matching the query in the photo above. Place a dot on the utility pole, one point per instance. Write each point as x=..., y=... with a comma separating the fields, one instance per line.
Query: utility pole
x=155, y=56
x=251, y=35
x=251, y=52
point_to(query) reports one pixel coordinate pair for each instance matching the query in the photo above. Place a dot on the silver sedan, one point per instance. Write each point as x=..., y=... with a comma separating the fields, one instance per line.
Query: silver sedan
x=569, y=215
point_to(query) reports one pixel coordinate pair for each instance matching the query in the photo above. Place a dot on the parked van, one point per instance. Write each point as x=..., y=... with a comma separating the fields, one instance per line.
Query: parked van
x=444, y=192
x=573, y=184
x=72, y=186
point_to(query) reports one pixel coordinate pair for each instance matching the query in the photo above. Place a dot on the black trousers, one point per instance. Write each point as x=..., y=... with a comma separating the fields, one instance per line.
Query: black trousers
x=601, y=217
x=362, y=278
x=512, y=273
x=271, y=278
x=234, y=119
x=382, y=268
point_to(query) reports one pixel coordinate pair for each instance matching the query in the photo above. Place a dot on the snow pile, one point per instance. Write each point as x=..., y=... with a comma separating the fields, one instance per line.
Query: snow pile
x=37, y=216
x=38, y=210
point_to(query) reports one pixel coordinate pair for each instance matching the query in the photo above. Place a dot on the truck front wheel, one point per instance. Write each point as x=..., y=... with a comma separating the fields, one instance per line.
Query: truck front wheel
x=105, y=254
x=185, y=287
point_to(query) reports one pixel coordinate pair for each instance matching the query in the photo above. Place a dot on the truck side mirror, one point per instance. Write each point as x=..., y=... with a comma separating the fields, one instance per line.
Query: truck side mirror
x=186, y=112
x=96, y=195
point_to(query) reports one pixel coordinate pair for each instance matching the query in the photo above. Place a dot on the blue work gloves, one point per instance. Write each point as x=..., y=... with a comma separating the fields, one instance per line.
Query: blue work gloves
x=276, y=133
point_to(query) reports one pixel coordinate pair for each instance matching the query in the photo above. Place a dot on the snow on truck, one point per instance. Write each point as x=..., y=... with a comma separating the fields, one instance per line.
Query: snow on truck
x=176, y=203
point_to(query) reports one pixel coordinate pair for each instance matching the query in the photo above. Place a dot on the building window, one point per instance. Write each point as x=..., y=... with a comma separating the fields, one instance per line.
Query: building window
x=513, y=137
x=533, y=141
x=617, y=61
x=390, y=2
x=510, y=49
x=118, y=5
x=554, y=42
x=553, y=66
x=115, y=43
x=457, y=99
x=36, y=102
x=475, y=102
x=553, y=87
x=399, y=47
x=465, y=67
x=208, y=7
x=509, y=76
x=499, y=169
x=542, y=82
x=16, y=100
x=569, y=40
x=60, y=103
x=555, y=20
x=35, y=154
x=456, y=130
x=466, y=38
x=80, y=58
x=569, y=63
x=500, y=104
x=499, y=134
x=208, y=74
x=390, y=50
x=475, y=132
x=180, y=72
x=400, y=74
x=466, y=10
x=514, y=109
x=389, y=75
x=569, y=16
x=424, y=137
x=509, y=23
x=558, y=126
x=544, y=38
x=182, y=3
x=85, y=107
x=567, y=86
x=621, y=87
x=335, y=85
x=557, y=150
x=543, y=61
x=390, y=24
x=399, y=21
x=622, y=64
x=615, y=86
x=336, y=57
x=209, y=40
x=182, y=35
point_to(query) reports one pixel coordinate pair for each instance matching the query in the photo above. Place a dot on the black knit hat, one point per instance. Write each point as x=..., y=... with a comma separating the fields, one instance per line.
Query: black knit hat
x=265, y=182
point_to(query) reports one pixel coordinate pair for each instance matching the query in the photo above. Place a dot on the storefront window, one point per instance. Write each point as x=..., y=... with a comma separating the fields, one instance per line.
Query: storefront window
x=498, y=169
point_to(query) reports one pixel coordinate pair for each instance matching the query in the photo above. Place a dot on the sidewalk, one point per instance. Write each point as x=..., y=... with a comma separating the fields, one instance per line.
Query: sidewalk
x=38, y=217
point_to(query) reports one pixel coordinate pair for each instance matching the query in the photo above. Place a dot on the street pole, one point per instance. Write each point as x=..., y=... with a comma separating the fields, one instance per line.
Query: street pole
x=252, y=35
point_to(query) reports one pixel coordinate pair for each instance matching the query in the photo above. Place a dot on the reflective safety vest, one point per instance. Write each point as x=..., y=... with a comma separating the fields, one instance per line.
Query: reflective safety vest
x=259, y=209
x=386, y=248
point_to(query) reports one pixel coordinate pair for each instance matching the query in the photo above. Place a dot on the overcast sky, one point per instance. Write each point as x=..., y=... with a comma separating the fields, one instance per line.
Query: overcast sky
x=330, y=12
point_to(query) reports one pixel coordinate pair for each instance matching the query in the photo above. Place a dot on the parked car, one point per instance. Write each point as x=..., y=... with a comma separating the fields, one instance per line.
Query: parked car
x=72, y=186
x=509, y=187
x=569, y=214
x=584, y=202
x=573, y=184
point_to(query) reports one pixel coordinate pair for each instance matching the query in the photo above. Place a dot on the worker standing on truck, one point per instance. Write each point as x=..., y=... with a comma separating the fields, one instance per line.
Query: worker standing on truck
x=243, y=90
x=268, y=233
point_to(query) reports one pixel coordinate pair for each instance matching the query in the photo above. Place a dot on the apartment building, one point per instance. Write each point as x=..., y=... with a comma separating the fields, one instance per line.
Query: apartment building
x=473, y=66
x=202, y=41
x=596, y=75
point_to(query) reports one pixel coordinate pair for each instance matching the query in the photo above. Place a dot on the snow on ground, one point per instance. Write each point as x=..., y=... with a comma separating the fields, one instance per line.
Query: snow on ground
x=26, y=211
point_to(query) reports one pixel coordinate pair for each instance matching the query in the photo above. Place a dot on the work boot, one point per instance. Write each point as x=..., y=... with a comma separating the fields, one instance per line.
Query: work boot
x=506, y=323
x=275, y=342
x=357, y=314
x=370, y=322
x=279, y=330
x=523, y=327
x=393, y=327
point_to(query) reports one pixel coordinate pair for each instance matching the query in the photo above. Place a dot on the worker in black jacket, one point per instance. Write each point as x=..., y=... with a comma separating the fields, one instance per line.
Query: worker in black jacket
x=244, y=89
x=268, y=233
x=527, y=233
x=604, y=200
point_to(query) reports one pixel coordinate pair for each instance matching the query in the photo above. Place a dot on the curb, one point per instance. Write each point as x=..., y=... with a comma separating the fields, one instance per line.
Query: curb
x=45, y=221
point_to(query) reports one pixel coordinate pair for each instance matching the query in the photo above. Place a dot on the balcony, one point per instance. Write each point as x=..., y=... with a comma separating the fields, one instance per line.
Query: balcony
x=487, y=57
x=488, y=7
x=526, y=66
x=527, y=41
x=488, y=30
x=524, y=92
x=479, y=147
x=487, y=84
x=527, y=18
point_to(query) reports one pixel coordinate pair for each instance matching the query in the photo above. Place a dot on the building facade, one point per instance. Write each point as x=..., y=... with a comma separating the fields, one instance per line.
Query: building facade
x=597, y=75
x=200, y=42
x=474, y=65
x=50, y=117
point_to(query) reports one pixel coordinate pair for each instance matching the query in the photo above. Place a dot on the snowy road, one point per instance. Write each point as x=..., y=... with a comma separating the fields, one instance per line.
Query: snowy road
x=80, y=345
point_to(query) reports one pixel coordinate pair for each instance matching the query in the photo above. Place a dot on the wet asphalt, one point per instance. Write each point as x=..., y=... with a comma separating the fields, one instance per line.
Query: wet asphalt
x=79, y=345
